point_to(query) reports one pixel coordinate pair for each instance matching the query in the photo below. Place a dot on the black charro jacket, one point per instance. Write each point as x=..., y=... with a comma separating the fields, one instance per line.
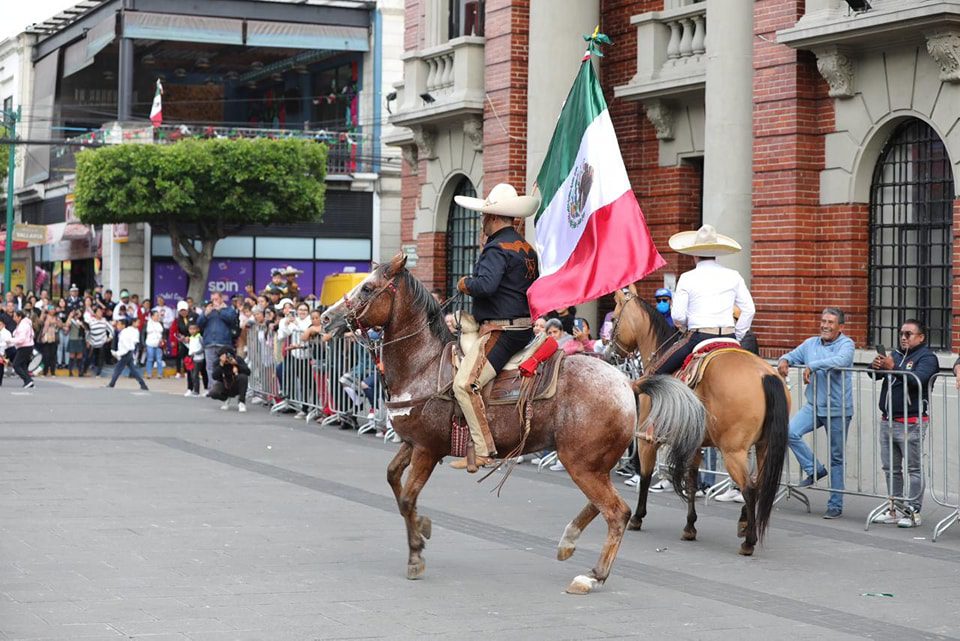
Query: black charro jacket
x=504, y=272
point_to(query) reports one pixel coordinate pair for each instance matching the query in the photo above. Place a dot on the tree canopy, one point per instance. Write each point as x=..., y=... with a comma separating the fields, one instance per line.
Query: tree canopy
x=199, y=190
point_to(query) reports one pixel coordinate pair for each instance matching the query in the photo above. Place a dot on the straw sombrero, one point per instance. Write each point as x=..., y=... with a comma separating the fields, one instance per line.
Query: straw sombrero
x=705, y=242
x=502, y=201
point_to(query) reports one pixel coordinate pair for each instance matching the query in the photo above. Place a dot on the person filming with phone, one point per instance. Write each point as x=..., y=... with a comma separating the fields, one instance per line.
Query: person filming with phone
x=903, y=408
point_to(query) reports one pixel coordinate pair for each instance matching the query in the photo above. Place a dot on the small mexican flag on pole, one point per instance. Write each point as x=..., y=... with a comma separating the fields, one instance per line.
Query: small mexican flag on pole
x=156, y=111
x=591, y=235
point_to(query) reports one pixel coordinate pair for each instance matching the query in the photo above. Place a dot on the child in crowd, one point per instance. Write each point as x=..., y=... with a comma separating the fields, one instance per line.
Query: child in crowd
x=195, y=353
x=154, y=341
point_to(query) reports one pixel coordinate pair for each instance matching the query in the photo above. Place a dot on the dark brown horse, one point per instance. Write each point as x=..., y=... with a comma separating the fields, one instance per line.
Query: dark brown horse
x=747, y=405
x=589, y=422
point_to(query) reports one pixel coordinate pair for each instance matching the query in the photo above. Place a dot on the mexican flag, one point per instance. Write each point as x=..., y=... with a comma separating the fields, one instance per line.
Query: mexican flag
x=156, y=111
x=591, y=235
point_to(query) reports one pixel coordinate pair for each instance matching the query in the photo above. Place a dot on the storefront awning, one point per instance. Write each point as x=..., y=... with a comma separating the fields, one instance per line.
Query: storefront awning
x=306, y=36
x=80, y=54
x=165, y=26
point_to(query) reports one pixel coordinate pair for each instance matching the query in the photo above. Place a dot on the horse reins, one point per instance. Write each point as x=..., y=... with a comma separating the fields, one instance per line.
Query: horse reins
x=627, y=297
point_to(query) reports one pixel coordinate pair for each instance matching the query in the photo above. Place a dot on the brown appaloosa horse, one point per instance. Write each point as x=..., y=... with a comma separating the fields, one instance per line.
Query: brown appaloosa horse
x=589, y=421
x=747, y=405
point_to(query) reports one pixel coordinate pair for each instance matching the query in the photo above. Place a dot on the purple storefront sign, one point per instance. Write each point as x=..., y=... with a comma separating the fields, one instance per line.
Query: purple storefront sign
x=230, y=276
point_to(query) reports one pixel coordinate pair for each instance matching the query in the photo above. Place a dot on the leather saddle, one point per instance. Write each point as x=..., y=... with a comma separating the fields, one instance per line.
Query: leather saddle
x=505, y=388
x=695, y=365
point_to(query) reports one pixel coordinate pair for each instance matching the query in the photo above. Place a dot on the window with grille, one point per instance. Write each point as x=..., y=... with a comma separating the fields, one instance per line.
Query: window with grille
x=911, y=247
x=463, y=238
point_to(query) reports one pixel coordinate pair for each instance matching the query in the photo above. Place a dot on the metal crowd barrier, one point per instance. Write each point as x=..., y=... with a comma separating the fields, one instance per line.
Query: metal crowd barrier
x=320, y=380
x=862, y=445
x=944, y=438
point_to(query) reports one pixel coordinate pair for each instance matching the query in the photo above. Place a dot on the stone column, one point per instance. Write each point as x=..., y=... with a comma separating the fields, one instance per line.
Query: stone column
x=556, y=47
x=728, y=140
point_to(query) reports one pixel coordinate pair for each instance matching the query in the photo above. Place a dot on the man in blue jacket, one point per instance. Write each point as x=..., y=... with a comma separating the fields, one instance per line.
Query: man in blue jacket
x=903, y=408
x=829, y=401
x=216, y=324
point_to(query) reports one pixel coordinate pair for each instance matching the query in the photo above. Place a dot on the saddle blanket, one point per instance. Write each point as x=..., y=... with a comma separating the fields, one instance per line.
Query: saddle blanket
x=696, y=363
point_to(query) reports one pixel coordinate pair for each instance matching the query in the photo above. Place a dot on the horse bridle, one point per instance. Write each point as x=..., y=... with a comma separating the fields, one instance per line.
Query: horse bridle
x=623, y=352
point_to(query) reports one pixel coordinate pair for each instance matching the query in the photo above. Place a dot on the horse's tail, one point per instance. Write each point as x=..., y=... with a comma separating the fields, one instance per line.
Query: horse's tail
x=679, y=420
x=775, y=433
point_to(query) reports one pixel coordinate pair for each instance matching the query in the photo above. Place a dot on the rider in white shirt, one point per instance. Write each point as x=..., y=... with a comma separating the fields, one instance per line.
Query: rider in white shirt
x=706, y=295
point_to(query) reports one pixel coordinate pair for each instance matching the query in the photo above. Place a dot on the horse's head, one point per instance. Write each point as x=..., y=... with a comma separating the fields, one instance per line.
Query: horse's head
x=623, y=335
x=637, y=326
x=369, y=304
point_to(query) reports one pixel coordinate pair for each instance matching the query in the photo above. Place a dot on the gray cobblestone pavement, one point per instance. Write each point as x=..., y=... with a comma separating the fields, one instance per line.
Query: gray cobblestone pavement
x=124, y=515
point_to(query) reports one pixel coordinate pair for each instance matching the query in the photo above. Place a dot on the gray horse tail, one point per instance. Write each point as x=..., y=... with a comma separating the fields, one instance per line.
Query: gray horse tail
x=679, y=420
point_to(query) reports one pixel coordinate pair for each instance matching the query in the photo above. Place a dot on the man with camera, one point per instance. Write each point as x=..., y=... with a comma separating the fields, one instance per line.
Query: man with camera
x=216, y=324
x=231, y=375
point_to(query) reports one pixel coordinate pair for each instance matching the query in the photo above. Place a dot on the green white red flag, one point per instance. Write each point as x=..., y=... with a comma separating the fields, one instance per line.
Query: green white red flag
x=156, y=111
x=590, y=233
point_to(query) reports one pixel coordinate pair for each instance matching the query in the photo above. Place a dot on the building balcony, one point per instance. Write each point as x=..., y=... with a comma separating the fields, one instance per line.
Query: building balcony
x=441, y=84
x=839, y=36
x=671, y=53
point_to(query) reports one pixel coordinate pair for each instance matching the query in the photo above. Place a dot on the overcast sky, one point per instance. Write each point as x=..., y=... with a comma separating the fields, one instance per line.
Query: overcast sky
x=18, y=15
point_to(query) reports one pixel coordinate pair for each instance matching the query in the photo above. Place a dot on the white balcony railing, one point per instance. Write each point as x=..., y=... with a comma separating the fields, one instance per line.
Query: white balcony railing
x=671, y=52
x=441, y=83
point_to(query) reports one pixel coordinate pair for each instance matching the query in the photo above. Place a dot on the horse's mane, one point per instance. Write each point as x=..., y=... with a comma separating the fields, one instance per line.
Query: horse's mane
x=658, y=324
x=423, y=300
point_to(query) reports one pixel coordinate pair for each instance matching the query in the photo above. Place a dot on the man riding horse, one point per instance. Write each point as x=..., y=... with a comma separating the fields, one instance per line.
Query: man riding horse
x=705, y=297
x=506, y=268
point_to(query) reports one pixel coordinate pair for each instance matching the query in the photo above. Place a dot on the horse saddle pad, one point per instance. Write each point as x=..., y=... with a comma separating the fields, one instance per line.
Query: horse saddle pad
x=696, y=363
x=505, y=388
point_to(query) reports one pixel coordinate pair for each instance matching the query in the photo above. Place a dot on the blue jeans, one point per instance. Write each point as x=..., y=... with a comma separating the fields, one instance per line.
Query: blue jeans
x=127, y=361
x=63, y=354
x=154, y=358
x=805, y=422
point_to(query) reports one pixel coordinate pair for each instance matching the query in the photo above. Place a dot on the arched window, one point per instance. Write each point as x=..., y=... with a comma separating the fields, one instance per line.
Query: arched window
x=463, y=237
x=911, y=247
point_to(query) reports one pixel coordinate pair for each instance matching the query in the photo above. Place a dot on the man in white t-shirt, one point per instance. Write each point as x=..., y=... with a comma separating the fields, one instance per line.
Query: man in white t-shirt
x=127, y=341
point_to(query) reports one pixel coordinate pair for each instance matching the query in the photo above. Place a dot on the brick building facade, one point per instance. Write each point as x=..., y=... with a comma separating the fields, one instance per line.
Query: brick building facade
x=850, y=148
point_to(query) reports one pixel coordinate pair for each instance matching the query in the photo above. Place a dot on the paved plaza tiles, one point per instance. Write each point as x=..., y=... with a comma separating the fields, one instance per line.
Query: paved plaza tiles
x=152, y=516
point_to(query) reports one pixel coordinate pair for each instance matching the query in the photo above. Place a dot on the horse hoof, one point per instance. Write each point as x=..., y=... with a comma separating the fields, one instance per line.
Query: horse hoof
x=425, y=525
x=415, y=570
x=746, y=550
x=688, y=535
x=582, y=585
x=564, y=553
x=634, y=524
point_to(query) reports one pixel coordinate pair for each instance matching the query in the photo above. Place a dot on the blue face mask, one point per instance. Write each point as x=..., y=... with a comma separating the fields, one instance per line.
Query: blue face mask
x=663, y=307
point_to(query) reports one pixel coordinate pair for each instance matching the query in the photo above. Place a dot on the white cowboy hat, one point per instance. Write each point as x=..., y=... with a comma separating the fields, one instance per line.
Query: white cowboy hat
x=705, y=242
x=502, y=201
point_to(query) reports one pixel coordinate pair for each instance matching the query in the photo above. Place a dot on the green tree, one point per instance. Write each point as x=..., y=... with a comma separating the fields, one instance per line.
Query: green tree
x=200, y=191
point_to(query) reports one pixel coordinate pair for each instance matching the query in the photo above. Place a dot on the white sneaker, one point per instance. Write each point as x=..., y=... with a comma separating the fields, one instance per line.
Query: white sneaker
x=225, y=406
x=663, y=485
x=557, y=467
x=910, y=519
x=886, y=518
x=188, y=393
x=732, y=495
x=241, y=407
x=178, y=375
x=535, y=460
x=633, y=481
x=699, y=494
x=300, y=415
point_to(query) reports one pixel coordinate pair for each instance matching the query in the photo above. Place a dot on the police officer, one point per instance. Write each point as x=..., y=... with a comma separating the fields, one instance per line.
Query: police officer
x=505, y=270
